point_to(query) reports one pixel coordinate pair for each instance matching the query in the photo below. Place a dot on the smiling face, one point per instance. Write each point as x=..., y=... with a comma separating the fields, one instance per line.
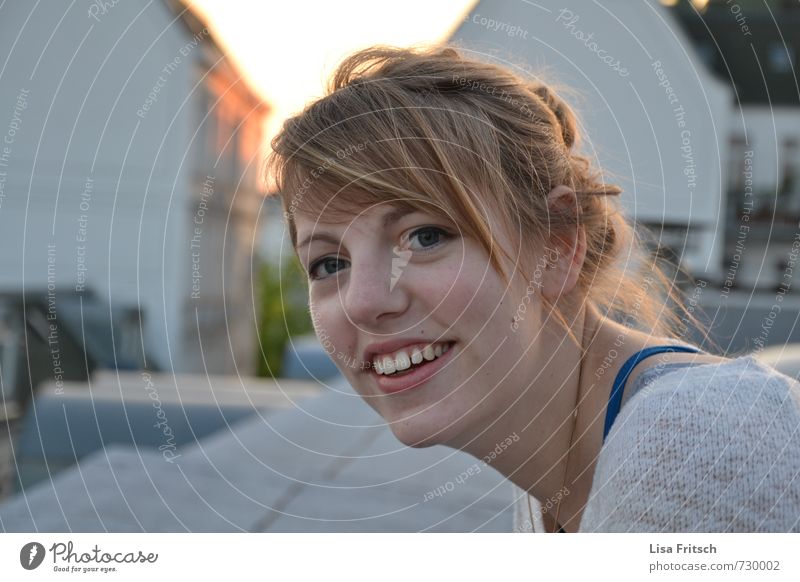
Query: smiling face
x=412, y=276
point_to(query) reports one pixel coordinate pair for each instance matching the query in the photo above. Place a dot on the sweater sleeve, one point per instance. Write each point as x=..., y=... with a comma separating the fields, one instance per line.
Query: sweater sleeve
x=712, y=448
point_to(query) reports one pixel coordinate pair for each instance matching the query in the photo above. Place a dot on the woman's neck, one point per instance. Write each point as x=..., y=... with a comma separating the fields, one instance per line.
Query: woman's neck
x=555, y=452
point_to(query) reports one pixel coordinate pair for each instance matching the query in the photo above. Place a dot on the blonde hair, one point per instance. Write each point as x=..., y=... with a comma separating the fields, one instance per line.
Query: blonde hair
x=433, y=130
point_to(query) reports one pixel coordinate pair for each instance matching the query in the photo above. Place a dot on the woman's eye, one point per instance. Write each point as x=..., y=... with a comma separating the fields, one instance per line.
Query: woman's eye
x=428, y=236
x=327, y=262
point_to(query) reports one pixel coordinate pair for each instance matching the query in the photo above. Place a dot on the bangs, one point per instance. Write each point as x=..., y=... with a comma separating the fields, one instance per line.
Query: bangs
x=337, y=201
x=336, y=189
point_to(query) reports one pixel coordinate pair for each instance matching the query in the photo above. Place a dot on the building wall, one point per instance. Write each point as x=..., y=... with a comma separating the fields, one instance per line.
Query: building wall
x=763, y=182
x=225, y=155
x=102, y=106
x=766, y=133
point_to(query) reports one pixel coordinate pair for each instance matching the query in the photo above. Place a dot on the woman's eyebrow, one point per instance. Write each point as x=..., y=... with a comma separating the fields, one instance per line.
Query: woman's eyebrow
x=391, y=216
x=323, y=236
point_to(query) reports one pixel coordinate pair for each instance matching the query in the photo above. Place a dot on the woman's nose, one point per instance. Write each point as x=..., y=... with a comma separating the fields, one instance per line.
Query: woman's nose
x=375, y=288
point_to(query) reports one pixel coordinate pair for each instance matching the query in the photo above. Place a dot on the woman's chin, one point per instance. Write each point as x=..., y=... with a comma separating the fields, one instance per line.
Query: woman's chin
x=416, y=435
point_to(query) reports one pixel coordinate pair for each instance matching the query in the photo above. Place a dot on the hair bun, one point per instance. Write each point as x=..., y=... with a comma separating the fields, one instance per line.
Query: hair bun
x=564, y=115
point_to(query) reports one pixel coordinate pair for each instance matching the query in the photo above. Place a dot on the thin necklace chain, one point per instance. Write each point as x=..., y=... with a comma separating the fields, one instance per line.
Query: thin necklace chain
x=564, y=480
x=569, y=449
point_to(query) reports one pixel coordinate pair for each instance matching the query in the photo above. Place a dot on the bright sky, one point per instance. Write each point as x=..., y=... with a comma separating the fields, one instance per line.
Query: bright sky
x=289, y=48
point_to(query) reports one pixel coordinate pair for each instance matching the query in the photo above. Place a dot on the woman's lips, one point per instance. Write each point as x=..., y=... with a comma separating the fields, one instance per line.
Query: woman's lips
x=416, y=377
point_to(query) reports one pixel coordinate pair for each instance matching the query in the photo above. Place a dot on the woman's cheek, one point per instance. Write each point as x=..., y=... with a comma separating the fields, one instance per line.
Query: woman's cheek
x=323, y=325
x=439, y=284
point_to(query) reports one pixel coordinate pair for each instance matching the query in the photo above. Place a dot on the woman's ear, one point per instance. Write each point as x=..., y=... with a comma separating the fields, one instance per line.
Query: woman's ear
x=566, y=250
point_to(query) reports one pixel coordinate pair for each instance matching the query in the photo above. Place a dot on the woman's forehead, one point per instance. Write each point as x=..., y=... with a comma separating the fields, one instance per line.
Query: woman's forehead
x=385, y=213
x=382, y=216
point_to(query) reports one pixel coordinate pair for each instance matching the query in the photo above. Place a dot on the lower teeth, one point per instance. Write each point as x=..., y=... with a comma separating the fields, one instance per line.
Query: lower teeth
x=411, y=369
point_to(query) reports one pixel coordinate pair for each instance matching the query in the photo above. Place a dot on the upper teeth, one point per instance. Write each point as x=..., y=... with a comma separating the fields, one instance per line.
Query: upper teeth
x=403, y=358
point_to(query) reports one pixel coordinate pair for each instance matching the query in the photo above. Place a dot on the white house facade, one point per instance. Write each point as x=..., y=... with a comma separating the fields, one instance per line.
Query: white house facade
x=129, y=160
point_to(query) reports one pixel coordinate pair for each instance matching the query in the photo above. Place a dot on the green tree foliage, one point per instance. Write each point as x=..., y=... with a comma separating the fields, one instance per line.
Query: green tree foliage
x=283, y=294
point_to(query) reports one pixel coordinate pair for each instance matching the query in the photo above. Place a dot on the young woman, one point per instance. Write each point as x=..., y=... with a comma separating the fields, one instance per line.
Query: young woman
x=479, y=286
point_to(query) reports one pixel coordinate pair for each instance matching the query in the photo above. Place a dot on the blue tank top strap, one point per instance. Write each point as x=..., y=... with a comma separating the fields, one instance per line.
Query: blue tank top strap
x=615, y=398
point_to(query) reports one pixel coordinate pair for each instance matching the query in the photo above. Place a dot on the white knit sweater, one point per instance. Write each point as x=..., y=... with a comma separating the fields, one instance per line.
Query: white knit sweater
x=705, y=448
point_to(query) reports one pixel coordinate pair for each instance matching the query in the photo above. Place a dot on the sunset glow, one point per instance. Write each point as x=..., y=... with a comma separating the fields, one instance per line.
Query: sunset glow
x=288, y=49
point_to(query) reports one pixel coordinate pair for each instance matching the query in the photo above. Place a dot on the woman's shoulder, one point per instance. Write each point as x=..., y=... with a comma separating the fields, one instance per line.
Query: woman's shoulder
x=709, y=447
x=739, y=381
x=735, y=399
